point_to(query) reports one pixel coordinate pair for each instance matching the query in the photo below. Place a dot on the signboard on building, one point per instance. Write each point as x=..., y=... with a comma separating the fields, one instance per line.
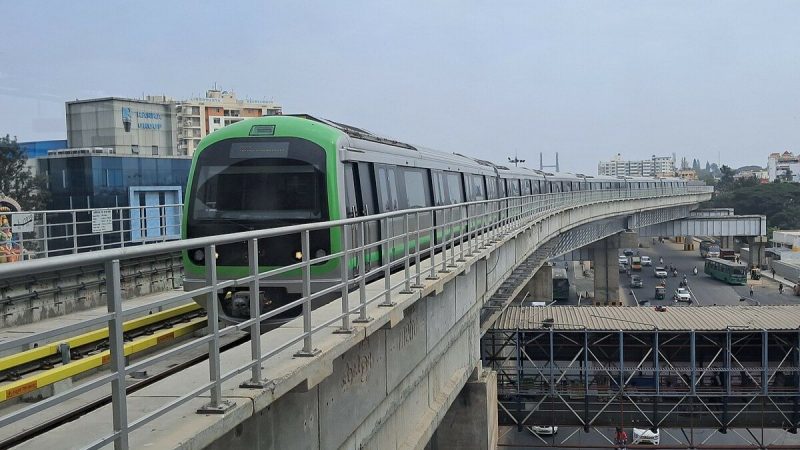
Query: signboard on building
x=22, y=223
x=102, y=221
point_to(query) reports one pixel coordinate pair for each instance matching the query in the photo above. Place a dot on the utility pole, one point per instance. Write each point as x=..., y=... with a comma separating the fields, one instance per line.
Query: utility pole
x=515, y=160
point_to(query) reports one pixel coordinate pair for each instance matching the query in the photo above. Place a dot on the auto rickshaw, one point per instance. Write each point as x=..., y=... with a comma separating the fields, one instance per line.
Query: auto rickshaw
x=661, y=292
x=755, y=274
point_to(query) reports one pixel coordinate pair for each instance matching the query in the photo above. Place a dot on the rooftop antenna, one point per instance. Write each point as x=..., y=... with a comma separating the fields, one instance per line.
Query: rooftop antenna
x=542, y=166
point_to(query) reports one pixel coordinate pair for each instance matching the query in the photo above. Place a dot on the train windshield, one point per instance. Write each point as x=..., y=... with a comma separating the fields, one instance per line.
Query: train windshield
x=282, y=188
x=258, y=192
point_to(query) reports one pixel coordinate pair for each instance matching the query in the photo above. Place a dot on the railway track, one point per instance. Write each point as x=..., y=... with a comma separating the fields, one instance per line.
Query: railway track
x=27, y=371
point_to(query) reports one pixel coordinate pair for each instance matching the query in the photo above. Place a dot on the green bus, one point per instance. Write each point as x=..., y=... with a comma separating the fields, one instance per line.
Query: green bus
x=727, y=271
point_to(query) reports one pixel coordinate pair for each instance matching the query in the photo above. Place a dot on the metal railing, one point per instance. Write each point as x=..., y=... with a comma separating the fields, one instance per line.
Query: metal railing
x=460, y=231
x=41, y=234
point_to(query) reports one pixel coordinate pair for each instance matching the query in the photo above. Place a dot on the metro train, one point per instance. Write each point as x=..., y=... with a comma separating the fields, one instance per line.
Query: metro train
x=276, y=171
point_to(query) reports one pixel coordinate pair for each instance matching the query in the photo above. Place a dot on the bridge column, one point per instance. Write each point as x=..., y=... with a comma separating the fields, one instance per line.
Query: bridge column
x=471, y=421
x=540, y=286
x=606, y=267
x=688, y=243
x=756, y=255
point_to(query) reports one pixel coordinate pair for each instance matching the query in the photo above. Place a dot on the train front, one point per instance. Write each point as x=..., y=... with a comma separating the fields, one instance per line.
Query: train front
x=257, y=174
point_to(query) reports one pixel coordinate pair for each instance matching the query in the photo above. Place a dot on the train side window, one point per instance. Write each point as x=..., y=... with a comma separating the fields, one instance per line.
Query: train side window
x=502, y=188
x=439, y=192
x=513, y=187
x=391, y=174
x=491, y=188
x=477, y=191
x=526, y=187
x=454, y=188
x=383, y=190
x=416, y=188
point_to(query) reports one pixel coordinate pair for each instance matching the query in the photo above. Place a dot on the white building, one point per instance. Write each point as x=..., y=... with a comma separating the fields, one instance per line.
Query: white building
x=661, y=166
x=784, y=166
x=197, y=117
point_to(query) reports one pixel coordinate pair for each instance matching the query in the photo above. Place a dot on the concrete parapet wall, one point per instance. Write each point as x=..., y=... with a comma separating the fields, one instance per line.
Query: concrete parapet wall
x=29, y=299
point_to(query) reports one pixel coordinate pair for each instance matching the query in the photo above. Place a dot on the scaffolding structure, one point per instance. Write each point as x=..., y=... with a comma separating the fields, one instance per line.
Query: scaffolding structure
x=576, y=374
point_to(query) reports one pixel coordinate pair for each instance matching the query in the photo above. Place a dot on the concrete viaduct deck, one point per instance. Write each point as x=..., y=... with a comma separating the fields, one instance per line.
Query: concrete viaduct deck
x=383, y=366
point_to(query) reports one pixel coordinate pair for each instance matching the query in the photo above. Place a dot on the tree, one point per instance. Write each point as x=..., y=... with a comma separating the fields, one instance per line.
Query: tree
x=726, y=180
x=16, y=179
x=777, y=201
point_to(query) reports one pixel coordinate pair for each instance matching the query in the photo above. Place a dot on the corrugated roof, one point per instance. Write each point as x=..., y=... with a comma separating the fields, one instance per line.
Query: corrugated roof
x=605, y=318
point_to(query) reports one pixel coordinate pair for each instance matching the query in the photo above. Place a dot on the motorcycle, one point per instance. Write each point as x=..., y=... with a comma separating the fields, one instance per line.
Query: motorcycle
x=694, y=271
x=674, y=274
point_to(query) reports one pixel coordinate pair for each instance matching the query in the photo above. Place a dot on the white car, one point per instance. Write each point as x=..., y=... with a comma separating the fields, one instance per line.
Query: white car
x=682, y=295
x=646, y=436
x=544, y=430
x=646, y=261
x=660, y=272
x=623, y=259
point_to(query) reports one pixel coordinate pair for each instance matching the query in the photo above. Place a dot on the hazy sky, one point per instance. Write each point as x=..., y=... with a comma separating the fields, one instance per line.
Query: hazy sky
x=585, y=79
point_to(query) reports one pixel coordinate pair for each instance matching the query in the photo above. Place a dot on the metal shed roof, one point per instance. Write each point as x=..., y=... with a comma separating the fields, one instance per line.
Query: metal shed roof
x=600, y=318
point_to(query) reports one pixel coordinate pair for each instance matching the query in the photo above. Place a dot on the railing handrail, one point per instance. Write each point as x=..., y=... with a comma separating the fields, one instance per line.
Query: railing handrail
x=102, y=256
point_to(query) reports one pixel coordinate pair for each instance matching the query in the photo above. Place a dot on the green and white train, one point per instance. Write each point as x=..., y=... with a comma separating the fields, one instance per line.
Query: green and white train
x=277, y=171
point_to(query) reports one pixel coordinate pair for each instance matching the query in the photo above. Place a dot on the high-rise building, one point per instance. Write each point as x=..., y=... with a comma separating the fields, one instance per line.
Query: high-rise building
x=197, y=117
x=126, y=126
x=657, y=166
x=783, y=166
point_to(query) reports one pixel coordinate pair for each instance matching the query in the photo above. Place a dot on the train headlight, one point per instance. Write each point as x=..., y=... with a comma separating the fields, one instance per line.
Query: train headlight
x=320, y=253
x=199, y=255
x=298, y=255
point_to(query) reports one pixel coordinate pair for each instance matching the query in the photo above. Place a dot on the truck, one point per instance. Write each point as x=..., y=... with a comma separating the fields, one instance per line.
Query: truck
x=727, y=254
x=636, y=263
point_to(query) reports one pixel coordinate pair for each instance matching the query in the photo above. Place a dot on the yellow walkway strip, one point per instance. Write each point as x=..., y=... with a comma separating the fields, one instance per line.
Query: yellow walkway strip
x=76, y=367
x=34, y=354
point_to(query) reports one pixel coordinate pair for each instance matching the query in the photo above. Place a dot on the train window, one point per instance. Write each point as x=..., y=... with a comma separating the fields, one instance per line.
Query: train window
x=491, y=188
x=390, y=172
x=501, y=185
x=526, y=187
x=383, y=190
x=438, y=189
x=513, y=188
x=555, y=186
x=476, y=188
x=416, y=188
x=454, y=189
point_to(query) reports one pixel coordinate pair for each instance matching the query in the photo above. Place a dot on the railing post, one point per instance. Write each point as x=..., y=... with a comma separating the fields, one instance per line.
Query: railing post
x=255, y=381
x=417, y=270
x=432, y=247
x=116, y=346
x=74, y=233
x=345, y=274
x=387, y=268
x=362, y=278
x=447, y=225
x=46, y=235
x=216, y=405
x=453, y=238
x=407, y=257
x=305, y=248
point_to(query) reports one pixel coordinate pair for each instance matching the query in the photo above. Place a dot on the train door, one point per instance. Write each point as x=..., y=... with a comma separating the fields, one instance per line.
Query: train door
x=389, y=199
x=440, y=198
x=455, y=194
x=360, y=201
x=475, y=193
